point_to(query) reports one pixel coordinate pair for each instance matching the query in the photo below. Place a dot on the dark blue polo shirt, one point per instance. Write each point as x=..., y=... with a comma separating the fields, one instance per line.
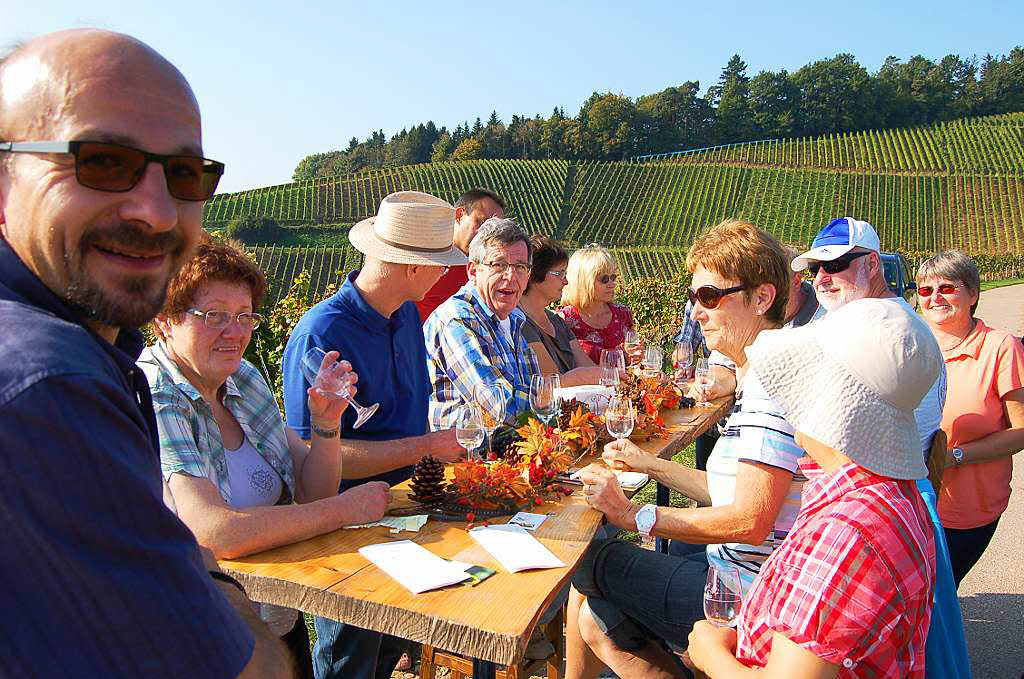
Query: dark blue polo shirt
x=388, y=354
x=100, y=579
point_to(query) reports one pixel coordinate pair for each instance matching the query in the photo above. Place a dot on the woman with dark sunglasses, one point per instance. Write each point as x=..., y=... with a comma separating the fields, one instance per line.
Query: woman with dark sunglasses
x=630, y=607
x=984, y=413
x=590, y=310
x=558, y=350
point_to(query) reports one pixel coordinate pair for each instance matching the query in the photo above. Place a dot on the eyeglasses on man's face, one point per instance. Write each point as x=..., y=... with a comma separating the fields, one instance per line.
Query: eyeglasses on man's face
x=116, y=168
x=220, y=319
x=837, y=265
x=501, y=268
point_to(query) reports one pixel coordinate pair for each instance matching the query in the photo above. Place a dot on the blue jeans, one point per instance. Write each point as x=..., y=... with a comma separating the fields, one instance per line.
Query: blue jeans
x=346, y=652
x=639, y=596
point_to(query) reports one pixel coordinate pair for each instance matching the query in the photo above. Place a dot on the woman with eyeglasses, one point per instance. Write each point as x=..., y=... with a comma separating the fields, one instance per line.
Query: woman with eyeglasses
x=558, y=350
x=630, y=608
x=232, y=471
x=590, y=310
x=984, y=413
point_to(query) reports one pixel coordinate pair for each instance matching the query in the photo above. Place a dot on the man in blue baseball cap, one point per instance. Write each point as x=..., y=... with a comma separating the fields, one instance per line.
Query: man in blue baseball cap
x=846, y=265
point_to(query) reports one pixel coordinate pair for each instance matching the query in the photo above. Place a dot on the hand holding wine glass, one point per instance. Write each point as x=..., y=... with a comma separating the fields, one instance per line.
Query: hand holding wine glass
x=469, y=431
x=722, y=595
x=632, y=345
x=620, y=417
x=327, y=376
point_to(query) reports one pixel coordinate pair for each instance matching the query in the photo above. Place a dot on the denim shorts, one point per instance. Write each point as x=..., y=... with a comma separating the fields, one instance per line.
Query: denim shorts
x=638, y=596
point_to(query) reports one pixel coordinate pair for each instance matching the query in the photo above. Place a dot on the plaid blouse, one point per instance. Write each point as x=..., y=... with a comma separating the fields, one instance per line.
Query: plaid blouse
x=466, y=347
x=190, y=440
x=853, y=581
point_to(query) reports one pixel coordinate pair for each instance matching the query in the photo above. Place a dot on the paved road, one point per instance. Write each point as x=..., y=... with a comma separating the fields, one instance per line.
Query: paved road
x=992, y=594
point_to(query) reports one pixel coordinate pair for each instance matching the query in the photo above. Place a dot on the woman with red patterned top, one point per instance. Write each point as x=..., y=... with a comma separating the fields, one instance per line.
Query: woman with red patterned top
x=849, y=591
x=590, y=310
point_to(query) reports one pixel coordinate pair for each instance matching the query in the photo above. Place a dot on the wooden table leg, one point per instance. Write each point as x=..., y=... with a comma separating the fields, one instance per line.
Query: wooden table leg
x=483, y=669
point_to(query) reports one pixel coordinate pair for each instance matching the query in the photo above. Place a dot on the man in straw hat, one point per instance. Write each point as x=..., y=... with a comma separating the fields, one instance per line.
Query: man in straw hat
x=849, y=592
x=102, y=183
x=846, y=265
x=373, y=323
x=475, y=338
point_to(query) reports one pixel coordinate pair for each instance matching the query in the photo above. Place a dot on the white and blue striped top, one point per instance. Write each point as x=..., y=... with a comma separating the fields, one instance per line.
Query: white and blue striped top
x=755, y=431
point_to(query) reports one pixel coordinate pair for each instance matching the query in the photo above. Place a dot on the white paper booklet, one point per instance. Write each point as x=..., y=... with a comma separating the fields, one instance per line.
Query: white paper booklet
x=417, y=569
x=627, y=480
x=514, y=548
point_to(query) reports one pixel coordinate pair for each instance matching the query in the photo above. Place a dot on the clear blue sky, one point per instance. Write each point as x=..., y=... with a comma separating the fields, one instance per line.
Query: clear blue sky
x=280, y=80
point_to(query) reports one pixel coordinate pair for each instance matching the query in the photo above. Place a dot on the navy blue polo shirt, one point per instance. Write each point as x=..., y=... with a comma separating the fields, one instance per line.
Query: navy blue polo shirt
x=100, y=579
x=388, y=354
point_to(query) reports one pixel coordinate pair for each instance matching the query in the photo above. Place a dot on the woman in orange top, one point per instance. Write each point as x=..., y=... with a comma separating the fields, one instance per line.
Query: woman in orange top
x=984, y=413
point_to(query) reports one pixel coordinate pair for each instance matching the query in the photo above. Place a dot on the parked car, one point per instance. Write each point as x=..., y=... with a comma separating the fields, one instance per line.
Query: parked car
x=898, y=277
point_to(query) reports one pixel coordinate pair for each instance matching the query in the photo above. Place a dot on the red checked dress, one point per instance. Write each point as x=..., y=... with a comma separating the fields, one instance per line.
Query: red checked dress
x=853, y=581
x=592, y=339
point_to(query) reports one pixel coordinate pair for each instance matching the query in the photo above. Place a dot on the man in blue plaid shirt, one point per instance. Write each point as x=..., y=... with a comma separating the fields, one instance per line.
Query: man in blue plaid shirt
x=476, y=336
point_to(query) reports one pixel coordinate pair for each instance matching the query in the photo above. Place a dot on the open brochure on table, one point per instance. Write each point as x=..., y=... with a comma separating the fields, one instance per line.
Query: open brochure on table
x=415, y=568
x=514, y=548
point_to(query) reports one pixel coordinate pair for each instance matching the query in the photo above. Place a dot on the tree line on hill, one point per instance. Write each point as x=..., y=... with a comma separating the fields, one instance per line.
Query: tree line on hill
x=825, y=97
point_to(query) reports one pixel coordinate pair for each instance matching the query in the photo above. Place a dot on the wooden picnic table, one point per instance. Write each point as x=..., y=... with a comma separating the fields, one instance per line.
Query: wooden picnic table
x=491, y=621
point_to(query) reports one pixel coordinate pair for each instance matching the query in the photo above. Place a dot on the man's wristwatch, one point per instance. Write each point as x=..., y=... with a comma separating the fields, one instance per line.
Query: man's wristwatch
x=958, y=456
x=646, y=517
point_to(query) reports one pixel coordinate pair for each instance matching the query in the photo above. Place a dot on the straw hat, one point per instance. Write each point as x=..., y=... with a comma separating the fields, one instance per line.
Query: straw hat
x=410, y=228
x=852, y=380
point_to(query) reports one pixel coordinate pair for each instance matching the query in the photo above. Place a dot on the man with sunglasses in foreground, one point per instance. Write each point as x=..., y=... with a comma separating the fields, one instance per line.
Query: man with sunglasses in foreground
x=846, y=265
x=101, y=187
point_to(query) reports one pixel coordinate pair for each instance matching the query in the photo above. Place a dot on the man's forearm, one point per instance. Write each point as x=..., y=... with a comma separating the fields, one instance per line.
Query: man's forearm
x=361, y=459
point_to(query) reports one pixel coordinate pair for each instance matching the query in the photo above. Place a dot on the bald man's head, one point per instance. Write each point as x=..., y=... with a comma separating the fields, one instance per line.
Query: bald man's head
x=108, y=254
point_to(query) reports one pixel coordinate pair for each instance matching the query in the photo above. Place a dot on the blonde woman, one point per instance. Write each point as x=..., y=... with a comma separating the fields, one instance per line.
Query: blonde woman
x=590, y=310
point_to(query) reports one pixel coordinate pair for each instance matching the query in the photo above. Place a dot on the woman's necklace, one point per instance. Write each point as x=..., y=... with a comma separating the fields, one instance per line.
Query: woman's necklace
x=962, y=339
x=599, y=318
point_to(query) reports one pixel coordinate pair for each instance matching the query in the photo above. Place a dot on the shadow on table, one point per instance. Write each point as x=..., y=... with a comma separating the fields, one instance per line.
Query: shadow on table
x=994, y=624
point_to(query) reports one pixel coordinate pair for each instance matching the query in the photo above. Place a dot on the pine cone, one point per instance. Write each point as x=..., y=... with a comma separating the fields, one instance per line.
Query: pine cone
x=503, y=443
x=569, y=407
x=428, y=481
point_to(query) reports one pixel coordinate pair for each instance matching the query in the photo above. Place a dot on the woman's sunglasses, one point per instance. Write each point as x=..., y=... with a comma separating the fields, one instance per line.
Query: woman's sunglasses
x=945, y=289
x=709, y=296
x=605, y=279
x=117, y=168
x=836, y=265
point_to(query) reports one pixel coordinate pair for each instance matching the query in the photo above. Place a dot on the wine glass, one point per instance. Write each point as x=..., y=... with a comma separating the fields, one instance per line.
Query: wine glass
x=705, y=379
x=722, y=595
x=490, y=402
x=468, y=430
x=613, y=358
x=544, y=397
x=631, y=341
x=653, y=360
x=682, y=364
x=620, y=417
x=329, y=379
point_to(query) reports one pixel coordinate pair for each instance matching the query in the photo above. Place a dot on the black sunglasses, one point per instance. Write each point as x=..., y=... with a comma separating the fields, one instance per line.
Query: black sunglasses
x=709, y=296
x=117, y=168
x=836, y=265
x=605, y=279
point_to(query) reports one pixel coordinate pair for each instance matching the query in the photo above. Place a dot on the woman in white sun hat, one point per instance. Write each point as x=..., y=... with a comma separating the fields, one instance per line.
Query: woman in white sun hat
x=849, y=592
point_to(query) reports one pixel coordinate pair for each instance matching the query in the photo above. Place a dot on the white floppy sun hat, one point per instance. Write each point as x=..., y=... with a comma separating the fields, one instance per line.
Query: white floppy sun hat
x=410, y=228
x=852, y=380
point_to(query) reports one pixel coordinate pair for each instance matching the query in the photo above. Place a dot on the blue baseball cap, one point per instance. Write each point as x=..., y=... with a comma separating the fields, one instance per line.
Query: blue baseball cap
x=836, y=239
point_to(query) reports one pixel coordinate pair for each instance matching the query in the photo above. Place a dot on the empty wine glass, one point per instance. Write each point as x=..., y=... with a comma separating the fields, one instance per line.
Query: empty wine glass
x=328, y=378
x=705, y=379
x=613, y=358
x=620, y=417
x=489, y=399
x=682, y=365
x=609, y=377
x=544, y=397
x=722, y=595
x=653, y=360
x=469, y=432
